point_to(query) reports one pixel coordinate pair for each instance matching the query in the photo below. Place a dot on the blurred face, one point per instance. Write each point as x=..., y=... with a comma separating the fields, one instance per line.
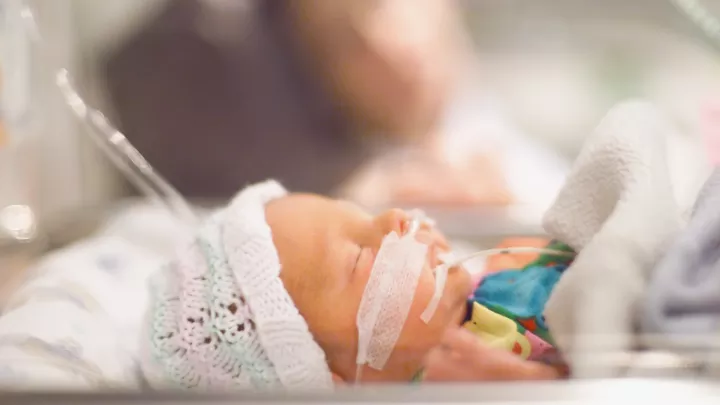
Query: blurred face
x=327, y=249
x=390, y=62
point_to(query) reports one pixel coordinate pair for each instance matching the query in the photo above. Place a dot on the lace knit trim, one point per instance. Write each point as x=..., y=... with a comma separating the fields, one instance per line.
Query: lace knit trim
x=222, y=318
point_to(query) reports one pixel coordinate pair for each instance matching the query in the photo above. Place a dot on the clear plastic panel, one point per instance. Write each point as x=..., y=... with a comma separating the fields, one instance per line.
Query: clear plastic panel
x=108, y=138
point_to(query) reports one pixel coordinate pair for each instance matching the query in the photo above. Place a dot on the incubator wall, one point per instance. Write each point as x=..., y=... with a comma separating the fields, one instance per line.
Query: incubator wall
x=543, y=73
x=570, y=60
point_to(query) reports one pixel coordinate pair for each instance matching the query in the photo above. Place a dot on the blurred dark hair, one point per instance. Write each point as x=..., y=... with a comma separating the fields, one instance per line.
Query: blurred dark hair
x=273, y=8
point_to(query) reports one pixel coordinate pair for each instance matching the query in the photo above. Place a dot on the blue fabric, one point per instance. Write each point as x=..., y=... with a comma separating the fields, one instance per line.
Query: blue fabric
x=520, y=294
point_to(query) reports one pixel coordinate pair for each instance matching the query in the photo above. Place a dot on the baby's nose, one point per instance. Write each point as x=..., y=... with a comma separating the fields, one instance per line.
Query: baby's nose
x=402, y=222
x=394, y=220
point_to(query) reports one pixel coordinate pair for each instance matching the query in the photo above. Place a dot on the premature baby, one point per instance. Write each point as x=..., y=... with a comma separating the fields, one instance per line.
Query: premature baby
x=269, y=292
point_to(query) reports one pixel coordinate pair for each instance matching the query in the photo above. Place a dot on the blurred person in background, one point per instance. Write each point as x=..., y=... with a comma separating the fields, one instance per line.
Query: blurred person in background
x=218, y=94
x=221, y=94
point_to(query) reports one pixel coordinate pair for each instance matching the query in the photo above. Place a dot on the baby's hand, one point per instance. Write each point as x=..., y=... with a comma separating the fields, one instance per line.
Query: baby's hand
x=462, y=357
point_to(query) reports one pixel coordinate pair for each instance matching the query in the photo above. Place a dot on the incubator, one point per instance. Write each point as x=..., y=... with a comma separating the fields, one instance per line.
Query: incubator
x=477, y=228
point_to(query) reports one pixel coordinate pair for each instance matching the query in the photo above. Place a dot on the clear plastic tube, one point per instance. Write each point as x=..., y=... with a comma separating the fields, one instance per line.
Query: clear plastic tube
x=109, y=139
x=698, y=13
x=503, y=251
x=441, y=271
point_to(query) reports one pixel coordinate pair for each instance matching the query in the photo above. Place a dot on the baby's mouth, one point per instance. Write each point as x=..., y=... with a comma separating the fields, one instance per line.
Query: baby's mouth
x=467, y=312
x=465, y=289
x=445, y=270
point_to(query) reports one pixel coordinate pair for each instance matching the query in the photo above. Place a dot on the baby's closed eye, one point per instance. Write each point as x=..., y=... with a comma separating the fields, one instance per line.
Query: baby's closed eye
x=364, y=262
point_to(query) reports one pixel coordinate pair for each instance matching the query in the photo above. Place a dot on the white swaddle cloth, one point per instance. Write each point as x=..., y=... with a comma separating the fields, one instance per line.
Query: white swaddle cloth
x=218, y=317
x=74, y=324
x=619, y=212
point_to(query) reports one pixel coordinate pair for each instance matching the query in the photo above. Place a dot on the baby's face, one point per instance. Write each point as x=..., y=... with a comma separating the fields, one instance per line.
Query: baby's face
x=327, y=249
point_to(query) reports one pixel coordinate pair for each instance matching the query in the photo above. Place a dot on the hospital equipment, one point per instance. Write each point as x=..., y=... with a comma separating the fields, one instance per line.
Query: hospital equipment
x=391, y=289
x=452, y=263
x=131, y=162
x=697, y=11
x=507, y=392
x=575, y=392
x=15, y=64
x=113, y=142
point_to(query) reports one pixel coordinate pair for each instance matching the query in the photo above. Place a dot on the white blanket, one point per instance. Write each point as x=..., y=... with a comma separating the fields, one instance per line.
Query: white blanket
x=619, y=208
x=75, y=324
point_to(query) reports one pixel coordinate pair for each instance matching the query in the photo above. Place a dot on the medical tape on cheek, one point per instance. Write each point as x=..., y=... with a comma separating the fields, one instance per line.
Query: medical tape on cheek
x=387, y=298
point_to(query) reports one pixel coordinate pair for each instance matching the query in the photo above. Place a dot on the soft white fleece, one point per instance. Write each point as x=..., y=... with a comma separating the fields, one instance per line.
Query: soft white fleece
x=619, y=211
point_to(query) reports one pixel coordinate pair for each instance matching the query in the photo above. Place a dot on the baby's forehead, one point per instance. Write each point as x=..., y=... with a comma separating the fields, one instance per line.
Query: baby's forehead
x=296, y=213
x=314, y=204
x=306, y=231
x=309, y=216
x=306, y=200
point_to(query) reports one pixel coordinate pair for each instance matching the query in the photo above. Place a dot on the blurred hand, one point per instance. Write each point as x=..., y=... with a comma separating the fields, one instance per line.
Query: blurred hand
x=425, y=178
x=463, y=358
x=436, y=181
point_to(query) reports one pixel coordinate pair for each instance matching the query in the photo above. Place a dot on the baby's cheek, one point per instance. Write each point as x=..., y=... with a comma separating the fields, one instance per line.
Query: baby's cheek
x=454, y=295
x=418, y=337
x=423, y=294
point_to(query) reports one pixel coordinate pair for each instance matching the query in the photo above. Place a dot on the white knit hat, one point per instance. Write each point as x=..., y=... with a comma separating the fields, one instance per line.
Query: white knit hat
x=221, y=317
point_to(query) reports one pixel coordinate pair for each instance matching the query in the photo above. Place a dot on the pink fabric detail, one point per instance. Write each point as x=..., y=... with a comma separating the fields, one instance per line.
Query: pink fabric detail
x=538, y=347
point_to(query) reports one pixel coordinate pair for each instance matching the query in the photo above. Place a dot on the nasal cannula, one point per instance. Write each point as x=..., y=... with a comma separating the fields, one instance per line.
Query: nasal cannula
x=418, y=218
x=454, y=263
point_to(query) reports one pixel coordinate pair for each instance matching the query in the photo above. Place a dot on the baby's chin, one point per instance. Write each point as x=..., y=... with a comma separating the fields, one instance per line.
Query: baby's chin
x=460, y=285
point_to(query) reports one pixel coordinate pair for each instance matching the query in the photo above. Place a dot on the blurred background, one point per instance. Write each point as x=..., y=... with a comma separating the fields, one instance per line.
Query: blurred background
x=181, y=78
